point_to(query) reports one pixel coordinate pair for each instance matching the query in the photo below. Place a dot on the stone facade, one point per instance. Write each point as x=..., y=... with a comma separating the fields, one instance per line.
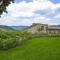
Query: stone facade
x=54, y=30
x=37, y=28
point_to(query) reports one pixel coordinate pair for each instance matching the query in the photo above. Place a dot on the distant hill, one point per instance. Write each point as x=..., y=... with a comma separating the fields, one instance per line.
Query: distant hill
x=19, y=27
x=13, y=27
x=6, y=27
x=55, y=25
x=58, y=25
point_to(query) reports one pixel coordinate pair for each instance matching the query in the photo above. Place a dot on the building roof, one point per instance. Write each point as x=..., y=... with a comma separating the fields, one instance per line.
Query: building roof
x=54, y=27
x=34, y=24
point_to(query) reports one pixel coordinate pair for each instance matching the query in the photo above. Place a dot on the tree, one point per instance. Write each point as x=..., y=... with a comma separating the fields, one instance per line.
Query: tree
x=3, y=5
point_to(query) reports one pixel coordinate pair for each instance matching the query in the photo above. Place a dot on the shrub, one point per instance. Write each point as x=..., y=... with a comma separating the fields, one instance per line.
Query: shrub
x=12, y=39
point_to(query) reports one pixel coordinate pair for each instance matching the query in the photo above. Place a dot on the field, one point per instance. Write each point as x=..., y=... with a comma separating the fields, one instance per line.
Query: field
x=44, y=48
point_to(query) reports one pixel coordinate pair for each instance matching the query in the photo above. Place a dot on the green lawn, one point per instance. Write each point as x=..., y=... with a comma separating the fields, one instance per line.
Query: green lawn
x=44, y=48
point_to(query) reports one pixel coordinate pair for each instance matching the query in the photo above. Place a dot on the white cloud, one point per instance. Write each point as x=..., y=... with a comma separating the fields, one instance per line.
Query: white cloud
x=57, y=16
x=27, y=10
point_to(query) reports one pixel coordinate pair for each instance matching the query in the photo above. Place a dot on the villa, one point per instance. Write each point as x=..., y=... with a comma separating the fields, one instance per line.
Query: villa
x=38, y=28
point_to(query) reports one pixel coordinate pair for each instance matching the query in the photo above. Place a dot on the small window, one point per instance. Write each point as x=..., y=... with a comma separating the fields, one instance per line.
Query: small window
x=42, y=28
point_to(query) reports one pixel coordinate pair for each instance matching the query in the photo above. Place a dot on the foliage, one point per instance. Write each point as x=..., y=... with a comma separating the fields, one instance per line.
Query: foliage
x=10, y=39
x=4, y=4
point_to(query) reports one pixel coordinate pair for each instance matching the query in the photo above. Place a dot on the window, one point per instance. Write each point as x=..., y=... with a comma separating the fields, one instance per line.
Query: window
x=42, y=28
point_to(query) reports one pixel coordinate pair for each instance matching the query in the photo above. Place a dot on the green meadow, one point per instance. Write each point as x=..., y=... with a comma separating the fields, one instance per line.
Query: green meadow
x=44, y=48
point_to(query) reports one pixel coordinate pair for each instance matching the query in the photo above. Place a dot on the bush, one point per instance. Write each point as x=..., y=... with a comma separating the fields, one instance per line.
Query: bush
x=12, y=39
x=7, y=43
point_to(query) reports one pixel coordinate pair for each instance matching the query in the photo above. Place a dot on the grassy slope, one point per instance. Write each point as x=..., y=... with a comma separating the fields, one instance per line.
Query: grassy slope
x=35, y=49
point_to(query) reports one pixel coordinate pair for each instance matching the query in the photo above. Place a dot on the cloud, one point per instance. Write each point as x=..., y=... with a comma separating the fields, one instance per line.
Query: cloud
x=23, y=13
x=57, y=16
x=26, y=9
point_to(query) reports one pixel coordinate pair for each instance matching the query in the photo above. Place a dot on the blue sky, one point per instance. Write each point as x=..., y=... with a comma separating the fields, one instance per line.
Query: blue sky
x=23, y=0
x=26, y=12
x=54, y=1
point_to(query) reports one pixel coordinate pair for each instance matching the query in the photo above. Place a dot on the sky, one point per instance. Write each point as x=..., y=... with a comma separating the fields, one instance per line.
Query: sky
x=26, y=12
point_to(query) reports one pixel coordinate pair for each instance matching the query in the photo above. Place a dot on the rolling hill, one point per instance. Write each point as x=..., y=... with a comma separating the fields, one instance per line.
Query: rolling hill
x=19, y=27
x=6, y=27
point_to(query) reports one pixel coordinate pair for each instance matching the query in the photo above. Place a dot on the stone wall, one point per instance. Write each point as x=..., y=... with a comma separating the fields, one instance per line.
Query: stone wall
x=54, y=31
x=38, y=28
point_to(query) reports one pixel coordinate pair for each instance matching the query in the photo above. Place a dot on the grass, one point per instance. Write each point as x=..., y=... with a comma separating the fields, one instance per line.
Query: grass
x=44, y=48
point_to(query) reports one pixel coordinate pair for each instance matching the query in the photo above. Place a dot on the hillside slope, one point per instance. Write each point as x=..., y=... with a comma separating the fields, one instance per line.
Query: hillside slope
x=6, y=27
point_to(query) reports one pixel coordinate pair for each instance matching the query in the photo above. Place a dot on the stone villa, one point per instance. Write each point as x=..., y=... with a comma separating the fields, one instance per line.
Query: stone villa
x=37, y=28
